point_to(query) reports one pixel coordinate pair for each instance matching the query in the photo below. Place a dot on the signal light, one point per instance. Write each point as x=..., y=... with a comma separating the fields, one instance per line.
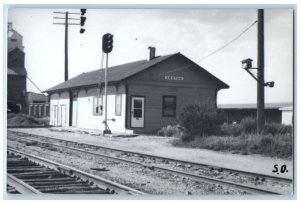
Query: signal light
x=82, y=20
x=82, y=30
x=83, y=11
x=270, y=84
x=107, y=43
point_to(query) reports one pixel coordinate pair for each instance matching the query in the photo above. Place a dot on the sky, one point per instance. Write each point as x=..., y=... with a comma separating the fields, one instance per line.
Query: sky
x=193, y=32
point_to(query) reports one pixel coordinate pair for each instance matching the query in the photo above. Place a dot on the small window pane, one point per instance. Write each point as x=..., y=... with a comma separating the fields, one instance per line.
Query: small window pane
x=97, y=105
x=169, y=101
x=169, y=106
x=118, y=104
x=137, y=103
x=137, y=113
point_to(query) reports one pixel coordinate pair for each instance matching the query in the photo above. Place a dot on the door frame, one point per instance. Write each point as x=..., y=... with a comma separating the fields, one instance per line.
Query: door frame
x=130, y=112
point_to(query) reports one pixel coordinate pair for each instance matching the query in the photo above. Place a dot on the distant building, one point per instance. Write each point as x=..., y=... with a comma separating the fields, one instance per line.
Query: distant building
x=236, y=112
x=143, y=96
x=37, y=105
x=16, y=72
x=287, y=115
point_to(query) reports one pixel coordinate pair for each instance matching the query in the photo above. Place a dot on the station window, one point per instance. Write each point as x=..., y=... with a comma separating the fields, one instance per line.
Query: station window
x=169, y=106
x=98, y=105
x=118, y=104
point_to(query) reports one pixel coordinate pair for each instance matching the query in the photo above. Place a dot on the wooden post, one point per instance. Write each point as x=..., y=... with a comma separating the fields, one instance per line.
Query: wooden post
x=260, y=71
x=66, y=47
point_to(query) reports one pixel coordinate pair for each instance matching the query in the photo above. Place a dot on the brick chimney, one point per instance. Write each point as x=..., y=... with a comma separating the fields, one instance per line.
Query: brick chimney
x=152, y=53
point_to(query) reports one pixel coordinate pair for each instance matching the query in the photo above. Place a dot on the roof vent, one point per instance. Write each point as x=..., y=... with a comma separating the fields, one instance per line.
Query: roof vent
x=152, y=53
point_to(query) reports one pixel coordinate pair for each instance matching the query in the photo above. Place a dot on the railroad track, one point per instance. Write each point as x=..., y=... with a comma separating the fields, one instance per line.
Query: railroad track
x=247, y=188
x=30, y=174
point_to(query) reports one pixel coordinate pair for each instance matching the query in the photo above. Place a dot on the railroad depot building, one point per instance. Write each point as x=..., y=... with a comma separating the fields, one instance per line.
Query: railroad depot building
x=142, y=96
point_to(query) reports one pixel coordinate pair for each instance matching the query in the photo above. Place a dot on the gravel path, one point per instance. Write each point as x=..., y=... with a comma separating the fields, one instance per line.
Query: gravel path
x=140, y=178
x=161, y=146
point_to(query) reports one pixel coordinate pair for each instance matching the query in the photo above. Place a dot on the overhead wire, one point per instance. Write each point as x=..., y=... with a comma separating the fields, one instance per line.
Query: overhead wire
x=217, y=50
x=185, y=67
x=35, y=85
x=236, y=38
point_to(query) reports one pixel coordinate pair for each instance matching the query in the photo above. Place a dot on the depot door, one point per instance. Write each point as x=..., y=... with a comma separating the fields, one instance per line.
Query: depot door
x=55, y=121
x=137, y=112
x=74, y=112
x=63, y=115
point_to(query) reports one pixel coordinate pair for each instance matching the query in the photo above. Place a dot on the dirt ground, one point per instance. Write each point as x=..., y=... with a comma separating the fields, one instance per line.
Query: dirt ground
x=161, y=146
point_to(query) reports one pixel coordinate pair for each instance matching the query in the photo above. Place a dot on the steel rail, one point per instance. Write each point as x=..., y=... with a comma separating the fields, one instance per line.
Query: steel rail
x=276, y=178
x=21, y=186
x=195, y=177
x=67, y=170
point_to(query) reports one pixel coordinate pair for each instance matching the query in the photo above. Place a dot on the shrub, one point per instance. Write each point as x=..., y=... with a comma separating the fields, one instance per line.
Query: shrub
x=269, y=145
x=286, y=129
x=231, y=129
x=169, y=131
x=266, y=140
x=249, y=125
x=187, y=137
x=199, y=120
x=277, y=128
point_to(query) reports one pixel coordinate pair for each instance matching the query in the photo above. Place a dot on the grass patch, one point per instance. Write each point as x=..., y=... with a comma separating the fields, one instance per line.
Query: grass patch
x=267, y=144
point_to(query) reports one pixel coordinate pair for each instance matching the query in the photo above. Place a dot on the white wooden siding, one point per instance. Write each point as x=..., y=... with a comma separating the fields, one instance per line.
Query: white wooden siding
x=61, y=100
x=85, y=115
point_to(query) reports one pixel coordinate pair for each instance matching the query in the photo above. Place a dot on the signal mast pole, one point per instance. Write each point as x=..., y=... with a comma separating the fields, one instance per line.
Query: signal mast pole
x=107, y=46
x=107, y=131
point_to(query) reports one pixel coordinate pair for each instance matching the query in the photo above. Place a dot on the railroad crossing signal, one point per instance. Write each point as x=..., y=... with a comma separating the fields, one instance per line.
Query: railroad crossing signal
x=107, y=43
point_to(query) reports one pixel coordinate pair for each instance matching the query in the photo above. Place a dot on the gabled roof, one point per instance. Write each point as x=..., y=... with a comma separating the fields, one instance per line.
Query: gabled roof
x=119, y=73
x=15, y=49
x=16, y=71
x=14, y=35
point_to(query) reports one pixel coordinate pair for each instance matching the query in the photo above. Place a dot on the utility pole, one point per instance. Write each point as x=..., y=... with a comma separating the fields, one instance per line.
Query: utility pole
x=247, y=65
x=66, y=24
x=66, y=47
x=260, y=71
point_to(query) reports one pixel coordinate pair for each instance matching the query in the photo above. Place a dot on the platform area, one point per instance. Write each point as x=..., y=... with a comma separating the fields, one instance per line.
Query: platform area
x=161, y=146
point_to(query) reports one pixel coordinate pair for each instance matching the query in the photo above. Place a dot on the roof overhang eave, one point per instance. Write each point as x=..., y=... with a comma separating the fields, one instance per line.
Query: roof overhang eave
x=80, y=87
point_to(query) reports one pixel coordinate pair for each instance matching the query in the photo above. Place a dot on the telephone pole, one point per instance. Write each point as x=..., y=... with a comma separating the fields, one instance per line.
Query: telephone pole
x=247, y=65
x=260, y=71
x=66, y=47
x=66, y=24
